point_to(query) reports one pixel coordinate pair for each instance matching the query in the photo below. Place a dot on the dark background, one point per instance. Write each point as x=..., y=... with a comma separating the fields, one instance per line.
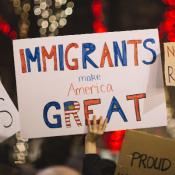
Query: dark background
x=120, y=15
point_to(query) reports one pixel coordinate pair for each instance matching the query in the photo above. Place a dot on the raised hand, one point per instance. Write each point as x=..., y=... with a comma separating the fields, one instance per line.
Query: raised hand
x=95, y=131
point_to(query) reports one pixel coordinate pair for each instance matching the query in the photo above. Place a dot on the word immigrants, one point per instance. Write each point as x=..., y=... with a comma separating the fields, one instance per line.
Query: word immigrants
x=59, y=55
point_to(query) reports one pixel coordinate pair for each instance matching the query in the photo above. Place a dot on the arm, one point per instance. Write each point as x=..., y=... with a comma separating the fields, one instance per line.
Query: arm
x=93, y=164
x=95, y=131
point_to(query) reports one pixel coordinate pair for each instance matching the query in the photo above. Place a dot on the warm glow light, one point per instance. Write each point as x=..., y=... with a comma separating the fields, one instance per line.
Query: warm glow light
x=114, y=140
x=6, y=29
x=167, y=26
x=169, y=2
x=98, y=23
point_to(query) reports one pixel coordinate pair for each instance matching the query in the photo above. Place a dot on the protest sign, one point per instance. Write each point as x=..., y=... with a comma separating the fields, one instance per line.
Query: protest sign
x=63, y=80
x=169, y=52
x=9, y=116
x=144, y=154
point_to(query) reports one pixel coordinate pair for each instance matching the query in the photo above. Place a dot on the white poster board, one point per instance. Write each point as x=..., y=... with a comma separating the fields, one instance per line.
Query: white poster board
x=9, y=116
x=62, y=80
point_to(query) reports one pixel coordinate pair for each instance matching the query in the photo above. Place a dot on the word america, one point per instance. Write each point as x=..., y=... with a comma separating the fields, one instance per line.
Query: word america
x=111, y=59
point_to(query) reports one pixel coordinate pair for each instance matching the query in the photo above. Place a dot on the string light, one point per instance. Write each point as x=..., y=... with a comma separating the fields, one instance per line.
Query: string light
x=22, y=9
x=98, y=23
x=52, y=15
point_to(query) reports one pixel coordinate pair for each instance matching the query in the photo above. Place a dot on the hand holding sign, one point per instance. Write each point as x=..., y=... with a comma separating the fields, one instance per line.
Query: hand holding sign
x=9, y=116
x=96, y=128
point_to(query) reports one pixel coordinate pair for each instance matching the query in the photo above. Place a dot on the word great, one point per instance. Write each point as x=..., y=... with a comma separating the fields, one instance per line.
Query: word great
x=61, y=61
x=71, y=108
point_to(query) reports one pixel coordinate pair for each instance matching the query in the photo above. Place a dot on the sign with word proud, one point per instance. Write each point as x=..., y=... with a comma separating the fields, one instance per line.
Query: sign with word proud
x=169, y=52
x=145, y=154
x=9, y=116
x=64, y=80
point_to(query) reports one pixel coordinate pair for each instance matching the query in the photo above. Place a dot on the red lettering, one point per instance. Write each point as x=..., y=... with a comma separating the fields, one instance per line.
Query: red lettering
x=135, y=43
x=23, y=62
x=106, y=54
x=88, y=103
x=74, y=60
x=49, y=56
x=136, y=98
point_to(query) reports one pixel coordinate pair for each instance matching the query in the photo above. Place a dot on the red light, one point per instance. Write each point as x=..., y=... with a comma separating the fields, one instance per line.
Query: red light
x=99, y=27
x=171, y=36
x=13, y=35
x=170, y=13
x=169, y=2
x=6, y=29
x=114, y=140
x=167, y=27
x=97, y=8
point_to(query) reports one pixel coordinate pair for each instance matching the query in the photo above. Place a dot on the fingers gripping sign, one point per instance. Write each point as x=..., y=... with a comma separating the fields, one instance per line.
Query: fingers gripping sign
x=96, y=128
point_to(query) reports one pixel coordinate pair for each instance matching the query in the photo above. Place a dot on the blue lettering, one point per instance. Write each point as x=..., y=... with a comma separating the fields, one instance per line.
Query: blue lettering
x=87, y=49
x=32, y=58
x=115, y=107
x=58, y=123
x=118, y=54
x=61, y=57
x=151, y=40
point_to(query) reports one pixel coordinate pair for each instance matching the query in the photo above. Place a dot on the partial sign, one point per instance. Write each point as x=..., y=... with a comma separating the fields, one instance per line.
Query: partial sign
x=144, y=154
x=169, y=50
x=63, y=80
x=9, y=116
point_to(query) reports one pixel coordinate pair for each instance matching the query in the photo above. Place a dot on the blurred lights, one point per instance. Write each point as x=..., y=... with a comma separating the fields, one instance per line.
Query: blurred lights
x=22, y=8
x=114, y=140
x=99, y=27
x=167, y=26
x=52, y=15
x=169, y=2
x=98, y=23
x=5, y=28
x=97, y=8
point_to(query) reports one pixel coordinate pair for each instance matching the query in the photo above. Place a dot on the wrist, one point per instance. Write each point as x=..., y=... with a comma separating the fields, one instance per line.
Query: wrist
x=91, y=139
x=90, y=147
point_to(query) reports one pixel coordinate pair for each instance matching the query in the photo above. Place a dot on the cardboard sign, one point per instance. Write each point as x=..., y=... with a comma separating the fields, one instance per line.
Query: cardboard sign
x=63, y=80
x=9, y=116
x=169, y=52
x=146, y=154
